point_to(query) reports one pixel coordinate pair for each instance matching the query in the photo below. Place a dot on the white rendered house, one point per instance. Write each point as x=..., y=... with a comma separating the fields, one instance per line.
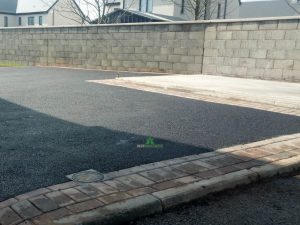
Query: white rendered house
x=20, y=13
x=180, y=9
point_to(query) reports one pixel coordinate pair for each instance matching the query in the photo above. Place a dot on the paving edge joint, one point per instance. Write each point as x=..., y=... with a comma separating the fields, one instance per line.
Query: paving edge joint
x=157, y=202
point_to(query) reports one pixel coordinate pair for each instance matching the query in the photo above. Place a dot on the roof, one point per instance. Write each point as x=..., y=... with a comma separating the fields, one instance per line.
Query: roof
x=31, y=6
x=150, y=16
x=112, y=2
x=26, y=6
x=169, y=18
x=144, y=14
x=8, y=6
x=267, y=9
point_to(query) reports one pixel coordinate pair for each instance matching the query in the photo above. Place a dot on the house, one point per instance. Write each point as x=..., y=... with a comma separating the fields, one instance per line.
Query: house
x=20, y=13
x=269, y=8
x=112, y=5
x=124, y=11
x=135, y=16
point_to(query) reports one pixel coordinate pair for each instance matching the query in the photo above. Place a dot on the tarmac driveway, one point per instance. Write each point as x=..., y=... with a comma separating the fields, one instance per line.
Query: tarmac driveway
x=53, y=123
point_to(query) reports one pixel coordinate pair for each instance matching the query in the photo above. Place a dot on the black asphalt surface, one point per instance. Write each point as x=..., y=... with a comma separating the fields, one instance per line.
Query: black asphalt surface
x=54, y=123
x=274, y=202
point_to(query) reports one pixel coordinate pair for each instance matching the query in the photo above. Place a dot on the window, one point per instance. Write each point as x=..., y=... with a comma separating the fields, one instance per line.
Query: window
x=146, y=5
x=219, y=10
x=40, y=20
x=182, y=6
x=5, y=21
x=20, y=21
x=30, y=21
x=149, y=5
x=143, y=5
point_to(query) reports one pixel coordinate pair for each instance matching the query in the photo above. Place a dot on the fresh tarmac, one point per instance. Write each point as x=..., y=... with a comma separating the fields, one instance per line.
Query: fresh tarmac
x=53, y=123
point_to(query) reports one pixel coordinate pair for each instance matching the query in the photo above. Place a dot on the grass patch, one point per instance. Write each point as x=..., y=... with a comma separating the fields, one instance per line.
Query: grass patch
x=10, y=64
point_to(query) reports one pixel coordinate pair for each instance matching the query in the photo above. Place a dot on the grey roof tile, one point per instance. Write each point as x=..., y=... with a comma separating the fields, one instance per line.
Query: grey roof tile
x=268, y=9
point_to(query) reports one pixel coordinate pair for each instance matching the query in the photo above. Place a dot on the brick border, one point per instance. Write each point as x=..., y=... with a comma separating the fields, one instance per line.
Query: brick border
x=152, y=188
x=183, y=93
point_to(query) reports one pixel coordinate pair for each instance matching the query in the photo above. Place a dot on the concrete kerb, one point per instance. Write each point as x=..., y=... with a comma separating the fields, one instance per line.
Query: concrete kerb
x=281, y=167
x=160, y=201
x=176, y=196
x=117, y=213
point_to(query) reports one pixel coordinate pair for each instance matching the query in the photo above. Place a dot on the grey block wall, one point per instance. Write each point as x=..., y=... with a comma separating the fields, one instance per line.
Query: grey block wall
x=265, y=49
x=260, y=49
x=167, y=48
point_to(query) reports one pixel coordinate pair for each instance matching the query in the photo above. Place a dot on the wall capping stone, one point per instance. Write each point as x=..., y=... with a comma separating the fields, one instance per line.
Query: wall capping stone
x=165, y=23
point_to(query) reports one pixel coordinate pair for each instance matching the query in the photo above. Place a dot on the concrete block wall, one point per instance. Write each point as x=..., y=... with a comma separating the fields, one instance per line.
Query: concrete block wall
x=268, y=49
x=171, y=48
x=254, y=48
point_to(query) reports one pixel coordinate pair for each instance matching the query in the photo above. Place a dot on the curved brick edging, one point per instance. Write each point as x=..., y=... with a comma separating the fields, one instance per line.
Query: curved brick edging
x=144, y=190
